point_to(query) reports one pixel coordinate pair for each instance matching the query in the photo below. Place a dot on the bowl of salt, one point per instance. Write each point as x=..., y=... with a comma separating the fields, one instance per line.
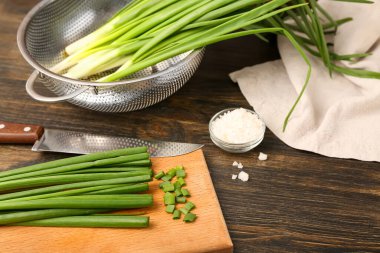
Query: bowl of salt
x=236, y=130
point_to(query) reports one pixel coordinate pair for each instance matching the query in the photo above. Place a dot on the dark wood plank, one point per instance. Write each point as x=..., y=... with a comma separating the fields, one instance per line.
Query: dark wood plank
x=294, y=202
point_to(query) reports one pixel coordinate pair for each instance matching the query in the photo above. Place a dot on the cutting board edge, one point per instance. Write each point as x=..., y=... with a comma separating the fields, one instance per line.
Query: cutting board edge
x=230, y=245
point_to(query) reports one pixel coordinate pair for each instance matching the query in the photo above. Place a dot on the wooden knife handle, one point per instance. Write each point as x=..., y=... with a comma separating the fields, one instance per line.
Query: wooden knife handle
x=19, y=133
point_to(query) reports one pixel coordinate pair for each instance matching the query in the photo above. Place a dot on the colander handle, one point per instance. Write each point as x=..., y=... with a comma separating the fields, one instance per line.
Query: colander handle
x=30, y=90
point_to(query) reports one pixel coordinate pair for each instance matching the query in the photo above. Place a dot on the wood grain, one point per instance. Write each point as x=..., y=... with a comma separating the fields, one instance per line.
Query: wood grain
x=164, y=234
x=294, y=202
x=11, y=132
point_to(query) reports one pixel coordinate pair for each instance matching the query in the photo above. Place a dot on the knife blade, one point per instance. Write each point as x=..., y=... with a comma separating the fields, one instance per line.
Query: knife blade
x=65, y=141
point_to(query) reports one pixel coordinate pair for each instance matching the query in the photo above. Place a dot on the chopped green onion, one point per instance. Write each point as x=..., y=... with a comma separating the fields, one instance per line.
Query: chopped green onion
x=170, y=208
x=163, y=184
x=189, y=205
x=185, y=192
x=189, y=217
x=169, y=199
x=176, y=215
x=168, y=188
x=184, y=210
x=159, y=175
x=166, y=178
x=181, y=181
x=172, y=172
x=181, y=174
x=178, y=192
x=177, y=185
x=180, y=199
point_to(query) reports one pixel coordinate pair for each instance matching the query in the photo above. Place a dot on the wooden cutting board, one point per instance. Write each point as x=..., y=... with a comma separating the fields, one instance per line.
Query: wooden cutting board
x=208, y=234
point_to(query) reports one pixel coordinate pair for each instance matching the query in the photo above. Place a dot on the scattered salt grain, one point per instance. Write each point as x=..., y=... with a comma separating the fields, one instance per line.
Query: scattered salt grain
x=243, y=176
x=235, y=164
x=238, y=126
x=240, y=166
x=234, y=176
x=263, y=157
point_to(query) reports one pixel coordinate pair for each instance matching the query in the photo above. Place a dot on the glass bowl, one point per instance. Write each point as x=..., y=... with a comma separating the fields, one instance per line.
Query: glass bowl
x=235, y=147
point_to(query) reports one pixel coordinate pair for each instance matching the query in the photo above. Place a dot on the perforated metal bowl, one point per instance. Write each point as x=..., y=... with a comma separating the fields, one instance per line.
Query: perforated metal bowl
x=53, y=24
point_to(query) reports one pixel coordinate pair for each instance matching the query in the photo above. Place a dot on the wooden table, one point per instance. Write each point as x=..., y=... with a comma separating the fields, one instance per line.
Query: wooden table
x=294, y=202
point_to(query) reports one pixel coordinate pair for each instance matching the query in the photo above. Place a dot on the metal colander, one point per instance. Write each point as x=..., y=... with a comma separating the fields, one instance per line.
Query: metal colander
x=53, y=24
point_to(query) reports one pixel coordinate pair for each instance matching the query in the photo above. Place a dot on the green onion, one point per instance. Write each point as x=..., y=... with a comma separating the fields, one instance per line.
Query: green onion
x=172, y=172
x=170, y=208
x=73, y=160
x=166, y=178
x=168, y=188
x=64, y=194
x=56, y=188
x=180, y=173
x=82, y=202
x=146, y=32
x=15, y=217
x=176, y=215
x=189, y=205
x=135, y=188
x=98, y=221
x=181, y=181
x=184, y=210
x=189, y=217
x=169, y=199
x=163, y=184
x=185, y=192
x=177, y=185
x=77, y=166
x=178, y=192
x=108, y=170
x=121, y=214
x=73, y=192
x=64, y=179
x=180, y=199
x=145, y=162
x=204, y=38
x=156, y=19
x=159, y=175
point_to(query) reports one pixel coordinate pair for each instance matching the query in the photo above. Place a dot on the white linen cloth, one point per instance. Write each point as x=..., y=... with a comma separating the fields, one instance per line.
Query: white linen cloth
x=336, y=117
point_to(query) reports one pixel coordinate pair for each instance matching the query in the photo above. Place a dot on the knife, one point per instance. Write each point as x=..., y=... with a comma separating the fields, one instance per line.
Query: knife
x=56, y=140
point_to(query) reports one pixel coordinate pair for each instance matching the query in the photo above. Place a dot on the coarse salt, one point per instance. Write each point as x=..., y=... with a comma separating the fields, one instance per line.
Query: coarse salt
x=263, y=157
x=234, y=176
x=240, y=166
x=243, y=176
x=235, y=164
x=238, y=126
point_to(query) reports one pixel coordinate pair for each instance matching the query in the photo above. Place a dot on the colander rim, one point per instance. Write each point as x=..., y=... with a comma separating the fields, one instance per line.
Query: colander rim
x=25, y=53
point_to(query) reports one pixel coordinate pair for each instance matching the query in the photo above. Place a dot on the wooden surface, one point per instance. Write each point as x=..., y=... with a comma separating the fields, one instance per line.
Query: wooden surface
x=19, y=133
x=164, y=234
x=294, y=202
